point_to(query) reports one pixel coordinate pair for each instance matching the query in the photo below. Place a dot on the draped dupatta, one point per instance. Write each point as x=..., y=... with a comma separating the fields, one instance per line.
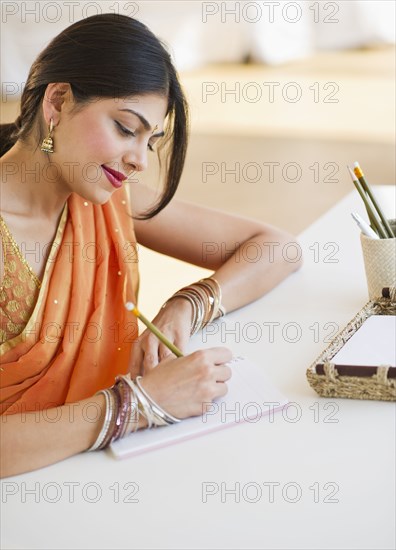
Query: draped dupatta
x=79, y=336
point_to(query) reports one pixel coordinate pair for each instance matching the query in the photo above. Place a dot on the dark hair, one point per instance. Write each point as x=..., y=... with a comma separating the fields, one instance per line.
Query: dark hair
x=103, y=56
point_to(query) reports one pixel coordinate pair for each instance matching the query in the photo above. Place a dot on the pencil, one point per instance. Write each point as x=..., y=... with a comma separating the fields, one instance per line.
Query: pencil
x=357, y=184
x=131, y=307
x=371, y=213
x=359, y=174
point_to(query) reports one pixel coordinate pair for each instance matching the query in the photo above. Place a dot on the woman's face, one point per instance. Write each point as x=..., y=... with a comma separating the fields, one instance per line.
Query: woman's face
x=107, y=140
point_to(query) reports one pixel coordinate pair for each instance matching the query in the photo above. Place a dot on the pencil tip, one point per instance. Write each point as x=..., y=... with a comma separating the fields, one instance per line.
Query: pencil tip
x=129, y=306
x=353, y=176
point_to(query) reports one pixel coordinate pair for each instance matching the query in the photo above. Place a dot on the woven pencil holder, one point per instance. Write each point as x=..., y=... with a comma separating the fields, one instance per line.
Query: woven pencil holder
x=379, y=262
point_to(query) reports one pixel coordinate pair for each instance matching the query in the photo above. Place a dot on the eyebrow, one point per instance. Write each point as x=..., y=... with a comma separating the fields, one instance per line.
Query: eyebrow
x=144, y=121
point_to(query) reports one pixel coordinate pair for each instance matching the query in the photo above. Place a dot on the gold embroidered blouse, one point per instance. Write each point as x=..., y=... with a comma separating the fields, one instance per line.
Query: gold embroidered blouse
x=19, y=288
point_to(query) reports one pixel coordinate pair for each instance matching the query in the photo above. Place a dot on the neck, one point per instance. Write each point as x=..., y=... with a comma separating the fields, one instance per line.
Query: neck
x=31, y=184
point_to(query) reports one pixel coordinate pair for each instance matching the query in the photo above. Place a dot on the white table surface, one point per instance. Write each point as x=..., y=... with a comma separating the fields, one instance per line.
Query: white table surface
x=334, y=458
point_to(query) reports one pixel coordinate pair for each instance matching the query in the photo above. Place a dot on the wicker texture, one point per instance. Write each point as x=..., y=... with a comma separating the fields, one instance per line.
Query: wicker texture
x=380, y=263
x=332, y=384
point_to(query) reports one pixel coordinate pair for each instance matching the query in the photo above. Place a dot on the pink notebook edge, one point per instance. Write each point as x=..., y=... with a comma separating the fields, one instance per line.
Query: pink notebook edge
x=186, y=437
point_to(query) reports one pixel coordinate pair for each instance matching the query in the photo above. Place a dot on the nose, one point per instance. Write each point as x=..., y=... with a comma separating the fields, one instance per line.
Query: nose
x=136, y=157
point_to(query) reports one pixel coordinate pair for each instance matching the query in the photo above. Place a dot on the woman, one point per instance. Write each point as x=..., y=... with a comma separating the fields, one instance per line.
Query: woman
x=96, y=102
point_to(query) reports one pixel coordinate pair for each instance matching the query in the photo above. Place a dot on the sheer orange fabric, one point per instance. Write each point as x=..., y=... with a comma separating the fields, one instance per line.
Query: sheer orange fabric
x=79, y=336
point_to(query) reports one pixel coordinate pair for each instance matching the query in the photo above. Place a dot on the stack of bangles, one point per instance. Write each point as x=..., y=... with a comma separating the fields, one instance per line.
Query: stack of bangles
x=205, y=299
x=126, y=400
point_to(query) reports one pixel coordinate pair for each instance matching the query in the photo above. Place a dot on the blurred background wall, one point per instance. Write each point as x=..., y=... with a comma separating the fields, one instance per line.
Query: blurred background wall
x=283, y=94
x=200, y=32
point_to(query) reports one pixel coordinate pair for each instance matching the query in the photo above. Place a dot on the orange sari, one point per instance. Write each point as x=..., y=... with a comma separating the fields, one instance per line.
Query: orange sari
x=79, y=336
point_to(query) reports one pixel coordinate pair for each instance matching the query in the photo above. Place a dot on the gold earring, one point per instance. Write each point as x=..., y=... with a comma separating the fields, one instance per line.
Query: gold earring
x=48, y=144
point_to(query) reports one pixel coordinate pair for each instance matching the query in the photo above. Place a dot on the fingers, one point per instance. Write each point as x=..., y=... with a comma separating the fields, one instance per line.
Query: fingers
x=222, y=373
x=164, y=352
x=215, y=360
x=216, y=356
x=153, y=351
x=158, y=352
x=150, y=360
x=181, y=385
x=144, y=356
x=136, y=360
x=221, y=390
x=179, y=339
x=168, y=359
x=155, y=354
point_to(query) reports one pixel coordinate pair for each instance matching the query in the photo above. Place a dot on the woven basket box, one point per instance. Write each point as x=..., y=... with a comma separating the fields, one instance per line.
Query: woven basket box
x=378, y=383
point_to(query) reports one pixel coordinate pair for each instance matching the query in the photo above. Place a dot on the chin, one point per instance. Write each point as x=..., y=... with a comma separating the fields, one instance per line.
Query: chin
x=98, y=202
x=97, y=198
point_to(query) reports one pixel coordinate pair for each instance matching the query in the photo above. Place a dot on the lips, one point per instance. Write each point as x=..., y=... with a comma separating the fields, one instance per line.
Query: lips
x=115, y=178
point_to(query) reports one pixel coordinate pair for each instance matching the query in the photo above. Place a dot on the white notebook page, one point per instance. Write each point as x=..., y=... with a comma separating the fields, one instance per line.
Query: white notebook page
x=250, y=395
x=373, y=344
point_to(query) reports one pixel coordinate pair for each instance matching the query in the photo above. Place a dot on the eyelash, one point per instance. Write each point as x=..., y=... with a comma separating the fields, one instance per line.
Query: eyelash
x=124, y=132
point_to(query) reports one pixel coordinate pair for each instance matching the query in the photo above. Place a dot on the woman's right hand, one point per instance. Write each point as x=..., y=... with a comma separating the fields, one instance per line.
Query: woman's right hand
x=181, y=386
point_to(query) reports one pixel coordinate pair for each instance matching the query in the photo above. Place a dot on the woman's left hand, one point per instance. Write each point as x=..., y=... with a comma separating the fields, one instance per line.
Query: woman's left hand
x=174, y=321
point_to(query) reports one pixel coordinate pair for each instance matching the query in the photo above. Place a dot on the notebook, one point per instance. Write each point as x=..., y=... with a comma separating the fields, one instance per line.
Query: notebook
x=250, y=396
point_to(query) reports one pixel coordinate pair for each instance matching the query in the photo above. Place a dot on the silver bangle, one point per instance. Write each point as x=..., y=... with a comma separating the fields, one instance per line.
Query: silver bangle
x=106, y=423
x=142, y=401
x=132, y=420
x=158, y=411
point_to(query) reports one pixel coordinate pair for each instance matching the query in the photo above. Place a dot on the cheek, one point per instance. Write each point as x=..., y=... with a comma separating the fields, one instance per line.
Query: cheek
x=92, y=141
x=100, y=147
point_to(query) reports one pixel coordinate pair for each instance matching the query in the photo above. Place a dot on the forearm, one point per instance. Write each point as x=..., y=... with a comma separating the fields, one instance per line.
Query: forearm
x=257, y=266
x=32, y=440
